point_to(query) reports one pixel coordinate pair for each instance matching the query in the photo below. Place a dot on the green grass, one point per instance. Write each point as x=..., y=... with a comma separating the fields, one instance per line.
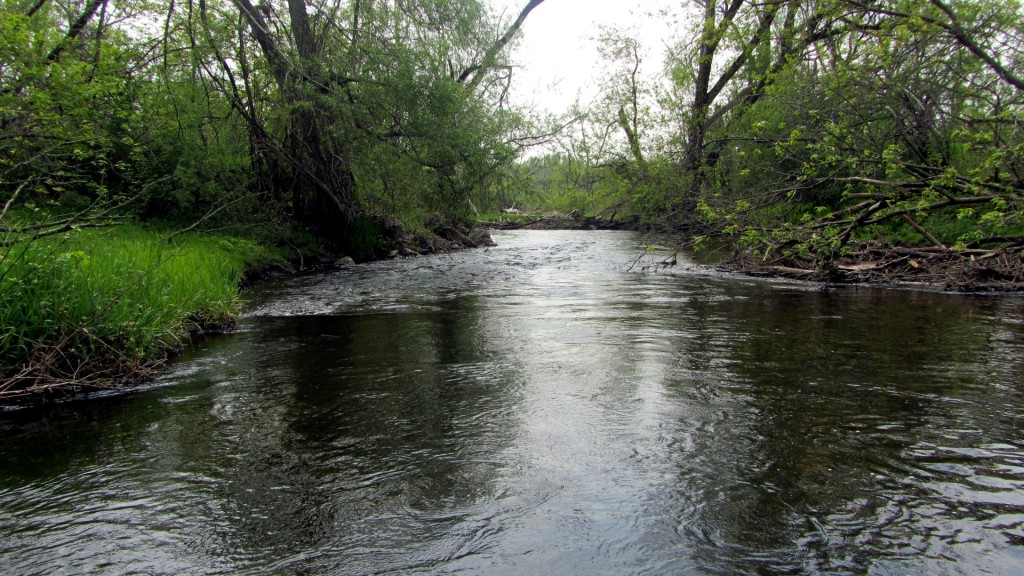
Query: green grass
x=361, y=238
x=106, y=302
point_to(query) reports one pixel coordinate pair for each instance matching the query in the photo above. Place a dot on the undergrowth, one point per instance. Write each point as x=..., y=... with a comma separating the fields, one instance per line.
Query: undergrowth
x=98, y=306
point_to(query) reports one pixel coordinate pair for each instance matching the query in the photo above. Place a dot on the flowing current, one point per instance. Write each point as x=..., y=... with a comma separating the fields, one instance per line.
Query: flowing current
x=541, y=408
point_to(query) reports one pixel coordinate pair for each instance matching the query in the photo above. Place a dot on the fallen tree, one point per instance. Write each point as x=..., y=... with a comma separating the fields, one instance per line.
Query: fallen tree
x=999, y=269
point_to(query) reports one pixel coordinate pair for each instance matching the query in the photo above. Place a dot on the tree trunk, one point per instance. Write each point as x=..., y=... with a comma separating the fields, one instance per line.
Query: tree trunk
x=323, y=188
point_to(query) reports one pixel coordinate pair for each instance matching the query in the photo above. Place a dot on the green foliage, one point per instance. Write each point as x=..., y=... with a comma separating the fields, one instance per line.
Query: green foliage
x=198, y=120
x=196, y=154
x=565, y=184
x=116, y=296
x=897, y=115
x=795, y=136
x=65, y=120
x=363, y=238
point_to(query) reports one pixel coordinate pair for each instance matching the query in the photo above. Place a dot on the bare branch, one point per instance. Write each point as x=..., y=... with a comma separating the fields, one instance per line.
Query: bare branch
x=473, y=75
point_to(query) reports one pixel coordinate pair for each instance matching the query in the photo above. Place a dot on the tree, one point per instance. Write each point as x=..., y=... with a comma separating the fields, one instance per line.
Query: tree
x=370, y=81
x=887, y=119
x=68, y=104
x=625, y=92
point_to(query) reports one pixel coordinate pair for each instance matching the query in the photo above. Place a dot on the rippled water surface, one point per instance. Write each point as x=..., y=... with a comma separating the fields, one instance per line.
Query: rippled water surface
x=537, y=408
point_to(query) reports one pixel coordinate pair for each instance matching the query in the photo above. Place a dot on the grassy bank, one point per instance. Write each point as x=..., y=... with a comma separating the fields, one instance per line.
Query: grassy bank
x=96, y=307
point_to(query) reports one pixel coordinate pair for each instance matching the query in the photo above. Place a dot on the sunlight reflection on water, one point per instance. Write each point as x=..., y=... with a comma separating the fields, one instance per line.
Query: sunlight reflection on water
x=537, y=408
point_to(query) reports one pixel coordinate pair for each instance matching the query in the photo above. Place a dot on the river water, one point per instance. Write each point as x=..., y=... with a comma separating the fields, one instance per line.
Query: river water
x=539, y=408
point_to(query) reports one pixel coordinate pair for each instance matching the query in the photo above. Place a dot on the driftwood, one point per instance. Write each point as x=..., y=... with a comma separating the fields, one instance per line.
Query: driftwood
x=969, y=270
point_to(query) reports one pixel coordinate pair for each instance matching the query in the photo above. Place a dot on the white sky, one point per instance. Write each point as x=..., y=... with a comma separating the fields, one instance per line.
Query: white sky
x=558, y=47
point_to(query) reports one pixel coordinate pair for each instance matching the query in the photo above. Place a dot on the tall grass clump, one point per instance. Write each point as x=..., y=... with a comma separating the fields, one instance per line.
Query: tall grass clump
x=94, y=307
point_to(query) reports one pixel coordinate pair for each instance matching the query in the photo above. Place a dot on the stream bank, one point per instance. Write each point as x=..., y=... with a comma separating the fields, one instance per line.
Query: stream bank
x=104, y=310
x=537, y=408
x=961, y=271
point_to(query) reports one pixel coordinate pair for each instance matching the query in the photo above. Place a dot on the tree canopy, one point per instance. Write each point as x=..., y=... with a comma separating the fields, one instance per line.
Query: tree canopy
x=318, y=112
x=811, y=132
x=804, y=130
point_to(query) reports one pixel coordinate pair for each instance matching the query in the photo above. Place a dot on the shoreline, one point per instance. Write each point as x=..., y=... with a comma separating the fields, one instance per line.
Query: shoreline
x=944, y=272
x=35, y=383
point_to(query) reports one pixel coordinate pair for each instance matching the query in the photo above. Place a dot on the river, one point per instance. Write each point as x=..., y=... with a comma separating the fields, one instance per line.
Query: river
x=541, y=408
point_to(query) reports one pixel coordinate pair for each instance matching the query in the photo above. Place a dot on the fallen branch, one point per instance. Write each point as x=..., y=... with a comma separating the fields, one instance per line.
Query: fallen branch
x=213, y=212
x=920, y=230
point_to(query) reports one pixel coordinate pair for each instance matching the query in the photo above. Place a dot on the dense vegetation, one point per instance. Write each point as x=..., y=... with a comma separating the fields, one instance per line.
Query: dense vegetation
x=816, y=136
x=302, y=126
x=104, y=304
x=821, y=136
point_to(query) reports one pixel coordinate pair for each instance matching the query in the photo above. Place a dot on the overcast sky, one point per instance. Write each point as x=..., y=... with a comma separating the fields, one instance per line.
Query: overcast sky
x=558, y=50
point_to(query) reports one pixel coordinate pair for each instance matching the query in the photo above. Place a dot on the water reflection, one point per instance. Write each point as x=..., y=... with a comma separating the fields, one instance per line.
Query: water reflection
x=538, y=409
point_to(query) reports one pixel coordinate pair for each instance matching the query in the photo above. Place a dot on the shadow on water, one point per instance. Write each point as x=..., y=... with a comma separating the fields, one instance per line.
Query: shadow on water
x=537, y=409
x=830, y=397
